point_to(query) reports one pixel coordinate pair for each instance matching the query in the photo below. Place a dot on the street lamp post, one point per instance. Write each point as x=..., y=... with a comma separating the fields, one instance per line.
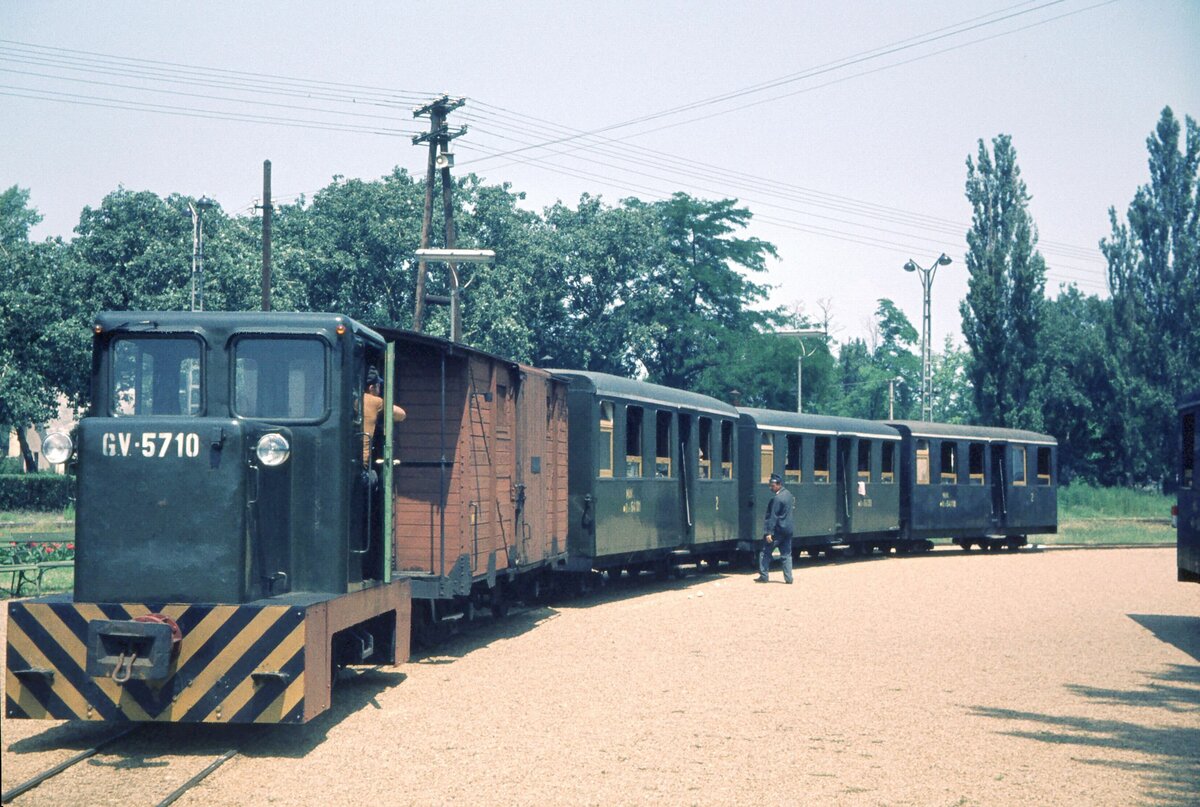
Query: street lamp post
x=800, y=362
x=453, y=257
x=926, y=356
x=197, y=209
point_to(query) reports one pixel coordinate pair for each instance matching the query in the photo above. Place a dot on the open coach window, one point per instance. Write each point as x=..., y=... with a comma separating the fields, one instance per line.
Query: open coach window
x=277, y=377
x=155, y=375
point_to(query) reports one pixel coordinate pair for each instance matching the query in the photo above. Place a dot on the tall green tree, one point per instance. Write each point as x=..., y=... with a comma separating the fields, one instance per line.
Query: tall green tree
x=1154, y=278
x=700, y=292
x=1005, y=304
x=1078, y=394
x=29, y=313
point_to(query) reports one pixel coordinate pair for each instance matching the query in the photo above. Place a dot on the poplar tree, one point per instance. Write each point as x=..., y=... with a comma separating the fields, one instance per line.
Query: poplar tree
x=1154, y=279
x=1005, y=304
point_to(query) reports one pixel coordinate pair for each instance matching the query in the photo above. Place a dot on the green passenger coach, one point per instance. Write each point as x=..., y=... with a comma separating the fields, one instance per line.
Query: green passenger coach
x=652, y=475
x=842, y=472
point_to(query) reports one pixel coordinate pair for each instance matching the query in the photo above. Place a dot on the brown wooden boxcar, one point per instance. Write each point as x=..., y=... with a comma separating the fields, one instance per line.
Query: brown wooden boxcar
x=480, y=480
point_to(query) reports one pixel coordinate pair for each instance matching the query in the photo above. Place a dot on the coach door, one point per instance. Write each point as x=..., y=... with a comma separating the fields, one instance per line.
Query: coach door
x=999, y=478
x=845, y=483
x=686, y=475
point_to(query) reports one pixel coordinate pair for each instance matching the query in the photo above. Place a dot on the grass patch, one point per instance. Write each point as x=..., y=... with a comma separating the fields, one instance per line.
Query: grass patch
x=1080, y=501
x=1115, y=531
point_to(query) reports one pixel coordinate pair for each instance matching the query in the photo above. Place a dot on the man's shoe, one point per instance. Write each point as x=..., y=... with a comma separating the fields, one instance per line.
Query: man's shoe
x=789, y=582
x=760, y=579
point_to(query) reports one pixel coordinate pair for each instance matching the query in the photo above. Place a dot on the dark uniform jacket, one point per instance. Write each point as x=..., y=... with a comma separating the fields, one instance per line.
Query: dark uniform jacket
x=778, y=521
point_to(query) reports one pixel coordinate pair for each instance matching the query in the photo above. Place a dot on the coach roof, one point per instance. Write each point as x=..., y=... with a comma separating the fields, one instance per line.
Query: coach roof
x=613, y=386
x=818, y=424
x=986, y=434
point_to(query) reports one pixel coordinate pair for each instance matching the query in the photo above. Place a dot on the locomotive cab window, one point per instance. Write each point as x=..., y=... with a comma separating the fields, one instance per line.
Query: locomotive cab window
x=766, y=452
x=975, y=463
x=949, y=463
x=821, y=461
x=633, y=441
x=1018, y=465
x=604, y=450
x=922, y=459
x=1188, y=470
x=1043, y=465
x=155, y=376
x=864, y=460
x=705, y=448
x=277, y=377
x=662, y=445
x=791, y=469
x=887, y=464
x=726, y=449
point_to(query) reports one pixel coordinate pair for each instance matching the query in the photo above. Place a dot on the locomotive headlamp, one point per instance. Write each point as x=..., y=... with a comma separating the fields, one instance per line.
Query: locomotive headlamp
x=57, y=448
x=272, y=449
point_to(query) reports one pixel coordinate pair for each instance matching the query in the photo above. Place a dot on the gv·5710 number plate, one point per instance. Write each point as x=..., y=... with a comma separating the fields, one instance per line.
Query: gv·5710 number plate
x=150, y=444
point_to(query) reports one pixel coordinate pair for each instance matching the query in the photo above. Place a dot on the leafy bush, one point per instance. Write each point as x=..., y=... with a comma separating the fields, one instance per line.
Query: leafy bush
x=11, y=465
x=43, y=492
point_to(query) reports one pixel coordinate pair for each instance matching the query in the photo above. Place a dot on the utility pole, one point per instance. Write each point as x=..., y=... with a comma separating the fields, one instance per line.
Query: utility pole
x=197, y=210
x=440, y=158
x=266, y=237
x=926, y=353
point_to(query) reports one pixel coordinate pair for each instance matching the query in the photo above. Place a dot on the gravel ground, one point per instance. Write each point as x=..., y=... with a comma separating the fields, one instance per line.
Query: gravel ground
x=1040, y=677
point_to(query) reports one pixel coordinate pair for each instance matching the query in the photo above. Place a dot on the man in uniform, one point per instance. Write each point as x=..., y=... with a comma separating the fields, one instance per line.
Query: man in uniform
x=777, y=531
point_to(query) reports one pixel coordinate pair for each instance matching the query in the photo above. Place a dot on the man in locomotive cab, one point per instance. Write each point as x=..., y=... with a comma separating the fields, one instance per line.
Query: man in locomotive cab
x=372, y=407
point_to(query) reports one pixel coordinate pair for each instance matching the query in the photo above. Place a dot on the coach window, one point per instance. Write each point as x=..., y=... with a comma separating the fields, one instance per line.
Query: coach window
x=949, y=462
x=1188, y=471
x=821, y=461
x=633, y=441
x=795, y=453
x=887, y=464
x=1018, y=465
x=726, y=449
x=605, y=449
x=662, y=445
x=279, y=378
x=766, y=452
x=975, y=463
x=864, y=460
x=705, y=448
x=1043, y=465
x=922, y=462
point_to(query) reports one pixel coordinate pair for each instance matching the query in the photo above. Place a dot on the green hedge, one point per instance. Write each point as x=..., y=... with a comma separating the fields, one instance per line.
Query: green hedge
x=45, y=492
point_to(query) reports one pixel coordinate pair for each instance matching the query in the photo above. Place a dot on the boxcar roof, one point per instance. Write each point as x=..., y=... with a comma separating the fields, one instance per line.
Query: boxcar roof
x=614, y=386
x=818, y=424
x=135, y=321
x=987, y=434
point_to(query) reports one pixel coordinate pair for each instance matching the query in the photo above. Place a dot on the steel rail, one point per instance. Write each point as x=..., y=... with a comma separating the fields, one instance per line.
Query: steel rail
x=25, y=787
x=198, y=778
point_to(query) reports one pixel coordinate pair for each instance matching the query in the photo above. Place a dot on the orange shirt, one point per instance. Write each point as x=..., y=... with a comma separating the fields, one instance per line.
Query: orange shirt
x=372, y=406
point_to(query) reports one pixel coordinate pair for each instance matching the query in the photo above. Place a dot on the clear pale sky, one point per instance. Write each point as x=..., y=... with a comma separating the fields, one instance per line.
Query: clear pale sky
x=852, y=163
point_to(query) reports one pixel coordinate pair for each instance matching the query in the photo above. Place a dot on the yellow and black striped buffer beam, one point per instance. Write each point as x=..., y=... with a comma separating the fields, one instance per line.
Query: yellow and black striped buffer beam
x=235, y=664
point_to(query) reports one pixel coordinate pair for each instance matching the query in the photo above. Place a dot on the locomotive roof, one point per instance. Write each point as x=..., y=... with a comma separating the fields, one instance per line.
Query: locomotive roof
x=818, y=424
x=987, y=434
x=645, y=392
x=143, y=321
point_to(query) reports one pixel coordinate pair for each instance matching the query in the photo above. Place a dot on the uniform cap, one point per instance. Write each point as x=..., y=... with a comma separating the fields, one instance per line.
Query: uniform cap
x=774, y=478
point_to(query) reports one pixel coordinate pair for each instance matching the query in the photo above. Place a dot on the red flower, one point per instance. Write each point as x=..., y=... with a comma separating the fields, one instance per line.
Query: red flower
x=48, y=549
x=71, y=547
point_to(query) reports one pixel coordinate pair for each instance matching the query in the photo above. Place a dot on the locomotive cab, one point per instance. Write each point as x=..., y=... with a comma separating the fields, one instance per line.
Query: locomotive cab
x=223, y=459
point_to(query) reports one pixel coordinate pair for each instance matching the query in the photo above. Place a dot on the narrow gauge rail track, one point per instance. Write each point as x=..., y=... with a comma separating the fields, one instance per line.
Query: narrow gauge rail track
x=9, y=795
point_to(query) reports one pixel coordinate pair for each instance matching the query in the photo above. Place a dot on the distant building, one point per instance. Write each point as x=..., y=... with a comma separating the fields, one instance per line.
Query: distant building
x=64, y=421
